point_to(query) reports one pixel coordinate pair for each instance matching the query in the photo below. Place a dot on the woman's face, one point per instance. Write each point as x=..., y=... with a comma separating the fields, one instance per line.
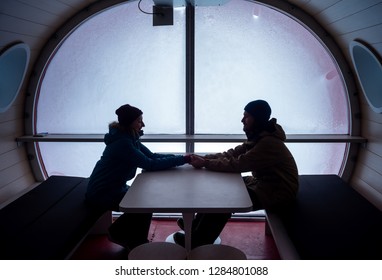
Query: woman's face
x=138, y=124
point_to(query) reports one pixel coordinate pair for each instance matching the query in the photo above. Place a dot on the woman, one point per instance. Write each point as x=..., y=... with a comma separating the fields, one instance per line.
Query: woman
x=123, y=154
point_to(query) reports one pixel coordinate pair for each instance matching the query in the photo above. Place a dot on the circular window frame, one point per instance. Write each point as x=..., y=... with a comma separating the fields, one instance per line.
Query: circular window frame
x=284, y=7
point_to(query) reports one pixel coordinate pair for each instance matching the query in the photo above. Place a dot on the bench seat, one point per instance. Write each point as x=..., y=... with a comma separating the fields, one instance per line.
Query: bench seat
x=48, y=222
x=330, y=220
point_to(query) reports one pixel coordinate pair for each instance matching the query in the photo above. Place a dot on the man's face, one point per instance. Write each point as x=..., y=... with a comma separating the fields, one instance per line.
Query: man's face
x=248, y=122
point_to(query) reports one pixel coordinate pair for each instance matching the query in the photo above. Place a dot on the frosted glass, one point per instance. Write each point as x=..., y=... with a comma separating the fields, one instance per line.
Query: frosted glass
x=206, y=148
x=318, y=158
x=70, y=159
x=311, y=158
x=246, y=51
x=116, y=57
x=175, y=148
x=79, y=159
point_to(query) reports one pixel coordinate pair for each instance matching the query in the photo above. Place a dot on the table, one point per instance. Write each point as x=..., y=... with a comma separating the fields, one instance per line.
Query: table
x=188, y=191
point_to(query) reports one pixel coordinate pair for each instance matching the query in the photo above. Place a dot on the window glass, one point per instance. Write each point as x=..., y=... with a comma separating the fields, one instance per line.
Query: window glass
x=70, y=159
x=114, y=58
x=318, y=158
x=246, y=51
x=311, y=158
x=208, y=148
x=79, y=159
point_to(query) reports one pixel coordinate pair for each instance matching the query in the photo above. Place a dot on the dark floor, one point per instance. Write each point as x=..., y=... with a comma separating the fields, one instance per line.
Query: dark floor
x=246, y=235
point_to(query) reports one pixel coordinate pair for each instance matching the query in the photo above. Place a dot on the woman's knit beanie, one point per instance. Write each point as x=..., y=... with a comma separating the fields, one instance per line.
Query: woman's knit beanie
x=127, y=114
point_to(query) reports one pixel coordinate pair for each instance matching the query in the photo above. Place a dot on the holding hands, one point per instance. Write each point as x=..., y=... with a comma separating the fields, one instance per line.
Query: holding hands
x=197, y=161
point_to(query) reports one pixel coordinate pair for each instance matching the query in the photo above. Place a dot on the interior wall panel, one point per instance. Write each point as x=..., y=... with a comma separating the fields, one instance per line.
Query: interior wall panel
x=314, y=7
x=368, y=191
x=372, y=161
x=367, y=177
x=16, y=188
x=344, y=9
x=358, y=21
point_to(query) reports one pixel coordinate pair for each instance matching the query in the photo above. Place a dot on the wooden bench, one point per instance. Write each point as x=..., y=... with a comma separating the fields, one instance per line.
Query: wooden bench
x=49, y=221
x=330, y=220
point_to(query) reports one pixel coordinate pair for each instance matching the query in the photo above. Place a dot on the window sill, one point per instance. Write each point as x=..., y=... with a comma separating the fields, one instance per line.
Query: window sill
x=204, y=138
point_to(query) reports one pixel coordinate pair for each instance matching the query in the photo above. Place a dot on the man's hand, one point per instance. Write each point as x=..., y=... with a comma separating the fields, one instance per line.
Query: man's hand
x=197, y=161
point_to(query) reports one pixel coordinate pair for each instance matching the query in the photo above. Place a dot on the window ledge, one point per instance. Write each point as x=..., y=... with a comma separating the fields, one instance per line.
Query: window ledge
x=291, y=138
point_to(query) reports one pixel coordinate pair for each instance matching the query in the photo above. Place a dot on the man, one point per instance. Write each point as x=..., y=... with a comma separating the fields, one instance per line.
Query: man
x=274, y=181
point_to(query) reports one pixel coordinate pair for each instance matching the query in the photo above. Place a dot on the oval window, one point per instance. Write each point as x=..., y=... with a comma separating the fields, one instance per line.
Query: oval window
x=13, y=65
x=369, y=72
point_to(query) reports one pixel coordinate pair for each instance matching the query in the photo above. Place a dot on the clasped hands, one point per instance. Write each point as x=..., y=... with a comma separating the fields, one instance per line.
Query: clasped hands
x=196, y=161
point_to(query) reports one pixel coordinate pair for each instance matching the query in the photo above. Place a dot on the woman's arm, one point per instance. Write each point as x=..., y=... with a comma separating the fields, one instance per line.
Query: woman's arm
x=147, y=160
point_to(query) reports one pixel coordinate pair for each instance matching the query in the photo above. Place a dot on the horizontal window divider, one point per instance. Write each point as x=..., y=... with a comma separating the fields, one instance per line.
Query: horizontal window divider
x=202, y=138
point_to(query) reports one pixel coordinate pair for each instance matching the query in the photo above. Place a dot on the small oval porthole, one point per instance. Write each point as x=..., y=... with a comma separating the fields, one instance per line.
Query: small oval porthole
x=13, y=65
x=369, y=72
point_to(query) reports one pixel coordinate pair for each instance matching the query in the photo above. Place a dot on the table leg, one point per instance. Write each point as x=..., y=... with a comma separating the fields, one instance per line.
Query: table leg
x=188, y=218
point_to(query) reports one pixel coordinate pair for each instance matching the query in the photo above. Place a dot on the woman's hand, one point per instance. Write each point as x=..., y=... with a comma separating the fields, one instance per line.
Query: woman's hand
x=197, y=161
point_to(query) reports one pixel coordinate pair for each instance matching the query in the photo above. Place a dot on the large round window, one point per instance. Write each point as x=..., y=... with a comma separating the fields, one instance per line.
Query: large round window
x=243, y=51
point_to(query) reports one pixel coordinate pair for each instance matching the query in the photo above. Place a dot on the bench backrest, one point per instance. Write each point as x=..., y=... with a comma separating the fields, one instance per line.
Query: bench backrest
x=330, y=220
x=48, y=221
